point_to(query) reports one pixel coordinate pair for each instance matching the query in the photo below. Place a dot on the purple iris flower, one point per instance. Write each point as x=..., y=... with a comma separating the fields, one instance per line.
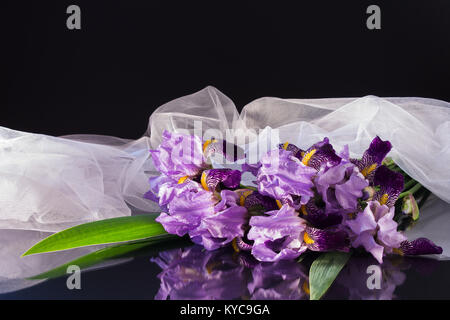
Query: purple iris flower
x=319, y=155
x=278, y=235
x=208, y=221
x=375, y=230
x=282, y=176
x=340, y=187
x=187, y=204
x=390, y=183
x=179, y=155
x=373, y=157
x=218, y=229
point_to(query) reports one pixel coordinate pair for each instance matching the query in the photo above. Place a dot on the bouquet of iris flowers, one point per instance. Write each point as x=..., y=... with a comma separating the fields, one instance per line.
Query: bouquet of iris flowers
x=284, y=194
x=297, y=201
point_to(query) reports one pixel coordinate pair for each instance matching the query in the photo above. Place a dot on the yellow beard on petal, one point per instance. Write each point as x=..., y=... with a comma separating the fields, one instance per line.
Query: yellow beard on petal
x=307, y=238
x=367, y=170
x=285, y=145
x=307, y=157
x=384, y=198
x=182, y=179
x=278, y=203
x=203, y=181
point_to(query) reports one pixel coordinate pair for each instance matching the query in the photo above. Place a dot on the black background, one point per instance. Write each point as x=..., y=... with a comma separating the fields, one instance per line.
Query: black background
x=132, y=56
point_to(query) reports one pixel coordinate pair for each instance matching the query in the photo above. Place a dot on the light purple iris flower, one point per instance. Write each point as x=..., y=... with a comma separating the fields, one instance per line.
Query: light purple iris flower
x=187, y=204
x=221, y=227
x=194, y=211
x=340, y=187
x=375, y=230
x=179, y=155
x=282, y=176
x=278, y=235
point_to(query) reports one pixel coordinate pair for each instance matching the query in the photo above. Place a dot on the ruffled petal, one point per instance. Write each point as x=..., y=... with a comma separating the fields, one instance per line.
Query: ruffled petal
x=277, y=236
x=179, y=155
x=364, y=221
x=368, y=242
x=187, y=205
x=221, y=228
x=348, y=193
x=282, y=175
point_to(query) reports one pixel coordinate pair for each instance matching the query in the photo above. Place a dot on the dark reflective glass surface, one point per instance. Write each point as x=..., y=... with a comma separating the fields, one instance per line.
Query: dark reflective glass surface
x=182, y=271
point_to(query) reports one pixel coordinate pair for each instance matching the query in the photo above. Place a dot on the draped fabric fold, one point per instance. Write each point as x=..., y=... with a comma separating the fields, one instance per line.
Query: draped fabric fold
x=50, y=183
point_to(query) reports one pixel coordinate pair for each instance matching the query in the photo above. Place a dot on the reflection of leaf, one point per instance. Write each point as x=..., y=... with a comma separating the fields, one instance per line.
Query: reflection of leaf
x=324, y=271
x=111, y=253
x=107, y=231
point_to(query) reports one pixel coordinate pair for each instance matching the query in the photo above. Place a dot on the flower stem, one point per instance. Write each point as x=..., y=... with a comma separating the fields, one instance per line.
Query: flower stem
x=409, y=184
x=410, y=191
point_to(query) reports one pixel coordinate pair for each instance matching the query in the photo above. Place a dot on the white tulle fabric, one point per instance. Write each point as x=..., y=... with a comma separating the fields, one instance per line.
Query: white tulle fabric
x=49, y=183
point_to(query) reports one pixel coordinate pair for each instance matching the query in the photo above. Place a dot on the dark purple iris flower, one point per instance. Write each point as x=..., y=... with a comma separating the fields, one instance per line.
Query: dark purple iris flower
x=319, y=155
x=390, y=184
x=373, y=157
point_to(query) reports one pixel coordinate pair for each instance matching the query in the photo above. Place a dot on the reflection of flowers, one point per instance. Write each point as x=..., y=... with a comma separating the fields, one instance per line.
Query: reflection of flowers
x=193, y=273
x=198, y=274
x=280, y=280
x=354, y=278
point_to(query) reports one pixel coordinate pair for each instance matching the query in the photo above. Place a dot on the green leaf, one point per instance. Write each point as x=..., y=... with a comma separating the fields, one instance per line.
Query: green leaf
x=324, y=271
x=107, y=231
x=92, y=259
x=114, y=252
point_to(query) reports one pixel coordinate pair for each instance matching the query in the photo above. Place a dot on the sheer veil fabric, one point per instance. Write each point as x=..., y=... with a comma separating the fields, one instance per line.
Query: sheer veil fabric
x=50, y=183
